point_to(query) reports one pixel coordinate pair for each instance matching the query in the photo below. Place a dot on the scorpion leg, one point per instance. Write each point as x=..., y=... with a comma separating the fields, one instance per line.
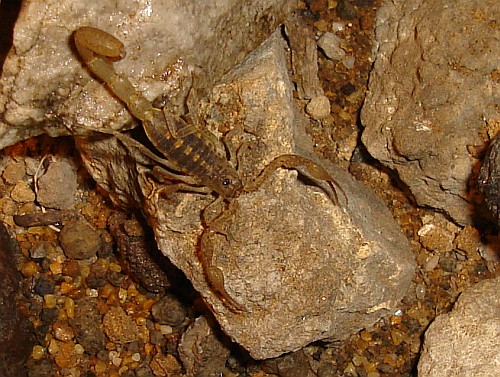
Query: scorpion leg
x=214, y=275
x=186, y=184
x=292, y=161
x=158, y=171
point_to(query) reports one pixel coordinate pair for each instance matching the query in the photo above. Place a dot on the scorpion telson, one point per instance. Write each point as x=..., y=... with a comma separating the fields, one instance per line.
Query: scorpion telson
x=186, y=148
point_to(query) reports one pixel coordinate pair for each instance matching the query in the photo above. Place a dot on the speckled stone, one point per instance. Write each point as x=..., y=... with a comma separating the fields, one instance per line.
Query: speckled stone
x=22, y=193
x=86, y=324
x=169, y=311
x=119, y=327
x=57, y=187
x=14, y=172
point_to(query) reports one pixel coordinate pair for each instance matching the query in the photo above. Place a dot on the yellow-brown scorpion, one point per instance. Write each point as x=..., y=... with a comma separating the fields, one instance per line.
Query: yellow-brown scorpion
x=192, y=158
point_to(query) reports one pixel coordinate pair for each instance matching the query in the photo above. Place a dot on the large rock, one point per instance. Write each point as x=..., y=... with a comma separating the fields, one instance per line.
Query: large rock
x=433, y=95
x=465, y=342
x=43, y=88
x=304, y=268
x=16, y=332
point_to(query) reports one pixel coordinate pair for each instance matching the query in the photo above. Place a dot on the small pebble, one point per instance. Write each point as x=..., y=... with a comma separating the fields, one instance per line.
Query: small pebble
x=338, y=26
x=166, y=329
x=136, y=357
x=22, y=193
x=435, y=238
x=41, y=249
x=420, y=291
x=56, y=268
x=115, y=267
x=63, y=331
x=92, y=293
x=43, y=286
x=95, y=282
x=71, y=268
x=8, y=207
x=358, y=360
x=165, y=363
x=100, y=368
x=330, y=44
x=345, y=10
x=328, y=370
x=38, y=352
x=65, y=288
x=79, y=240
x=119, y=327
x=469, y=240
x=350, y=369
x=448, y=264
x=141, y=321
x=53, y=347
x=57, y=187
x=366, y=336
x=169, y=311
x=321, y=25
x=349, y=61
x=79, y=350
x=397, y=336
x=318, y=107
x=29, y=268
x=115, y=278
x=90, y=336
x=156, y=337
x=69, y=306
x=432, y=263
x=122, y=295
x=49, y=315
x=50, y=301
x=14, y=172
x=100, y=267
x=67, y=357
x=348, y=89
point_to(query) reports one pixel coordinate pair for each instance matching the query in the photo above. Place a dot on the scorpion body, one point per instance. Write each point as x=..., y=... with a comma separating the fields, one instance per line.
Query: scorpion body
x=187, y=149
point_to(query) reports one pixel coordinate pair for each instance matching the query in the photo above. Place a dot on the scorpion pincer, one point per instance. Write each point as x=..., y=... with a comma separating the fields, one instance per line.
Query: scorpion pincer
x=186, y=148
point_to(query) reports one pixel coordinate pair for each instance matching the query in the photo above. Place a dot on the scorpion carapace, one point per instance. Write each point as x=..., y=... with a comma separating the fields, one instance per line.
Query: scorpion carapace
x=187, y=149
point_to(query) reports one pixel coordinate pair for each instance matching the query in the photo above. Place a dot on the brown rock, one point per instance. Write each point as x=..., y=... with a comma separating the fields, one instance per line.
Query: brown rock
x=79, y=240
x=430, y=92
x=16, y=331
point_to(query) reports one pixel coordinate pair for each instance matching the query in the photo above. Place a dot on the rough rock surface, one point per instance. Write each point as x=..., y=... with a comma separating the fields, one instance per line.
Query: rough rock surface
x=465, y=342
x=304, y=268
x=16, y=332
x=43, y=88
x=432, y=92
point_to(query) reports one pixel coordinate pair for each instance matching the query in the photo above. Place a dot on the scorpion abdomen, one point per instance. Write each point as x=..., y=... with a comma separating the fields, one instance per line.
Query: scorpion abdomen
x=194, y=155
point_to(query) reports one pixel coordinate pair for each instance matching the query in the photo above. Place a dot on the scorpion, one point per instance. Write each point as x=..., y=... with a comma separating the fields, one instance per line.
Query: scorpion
x=192, y=158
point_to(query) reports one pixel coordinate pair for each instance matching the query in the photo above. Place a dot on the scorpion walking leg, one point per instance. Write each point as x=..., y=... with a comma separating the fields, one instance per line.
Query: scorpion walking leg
x=158, y=171
x=213, y=274
x=292, y=161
